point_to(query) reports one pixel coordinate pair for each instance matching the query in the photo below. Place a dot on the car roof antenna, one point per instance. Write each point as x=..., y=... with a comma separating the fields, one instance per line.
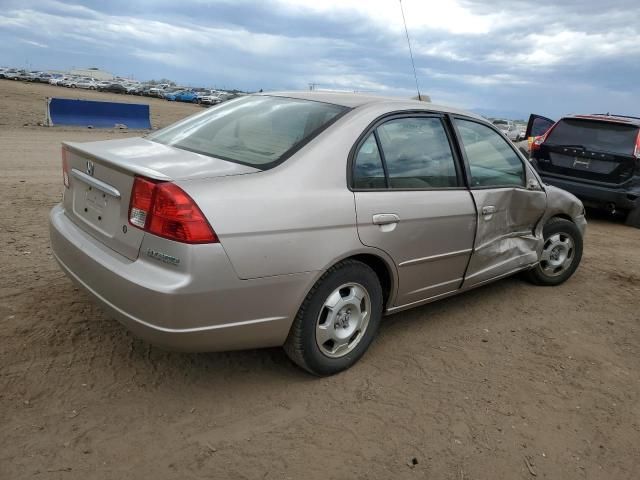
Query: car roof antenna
x=406, y=31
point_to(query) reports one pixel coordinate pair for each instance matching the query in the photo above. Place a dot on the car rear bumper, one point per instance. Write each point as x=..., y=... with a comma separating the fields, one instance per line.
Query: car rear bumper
x=597, y=195
x=198, y=305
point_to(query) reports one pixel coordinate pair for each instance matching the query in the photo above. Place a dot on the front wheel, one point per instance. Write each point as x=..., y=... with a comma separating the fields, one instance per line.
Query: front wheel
x=561, y=253
x=338, y=319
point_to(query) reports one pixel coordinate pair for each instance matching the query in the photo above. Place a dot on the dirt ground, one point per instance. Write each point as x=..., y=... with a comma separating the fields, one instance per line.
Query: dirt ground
x=509, y=381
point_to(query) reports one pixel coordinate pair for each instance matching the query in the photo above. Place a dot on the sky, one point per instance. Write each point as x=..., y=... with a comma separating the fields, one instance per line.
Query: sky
x=500, y=58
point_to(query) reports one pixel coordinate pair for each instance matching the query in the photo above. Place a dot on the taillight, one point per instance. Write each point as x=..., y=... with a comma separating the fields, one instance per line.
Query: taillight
x=141, y=202
x=538, y=141
x=65, y=167
x=636, y=150
x=165, y=210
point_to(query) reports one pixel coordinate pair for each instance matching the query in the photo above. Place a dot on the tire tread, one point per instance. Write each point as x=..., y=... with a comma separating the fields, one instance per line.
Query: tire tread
x=293, y=346
x=533, y=275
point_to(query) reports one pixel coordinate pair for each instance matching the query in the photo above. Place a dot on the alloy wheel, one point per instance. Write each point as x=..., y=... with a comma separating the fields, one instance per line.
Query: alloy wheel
x=343, y=320
x=557, y=254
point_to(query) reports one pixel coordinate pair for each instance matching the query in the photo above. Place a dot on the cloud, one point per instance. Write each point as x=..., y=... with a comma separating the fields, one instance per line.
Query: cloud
x=467, y=52
x=34, y=43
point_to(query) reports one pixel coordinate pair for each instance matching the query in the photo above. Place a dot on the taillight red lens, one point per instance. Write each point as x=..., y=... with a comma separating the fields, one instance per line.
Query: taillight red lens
x=164, y=209
x=636, y=150
x=538, y=141
x=65, y=167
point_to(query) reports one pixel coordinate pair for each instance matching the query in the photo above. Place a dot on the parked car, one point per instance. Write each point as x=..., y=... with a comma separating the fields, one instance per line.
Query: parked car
x=299, y=219
x=131, y=88
x=145, y=90
x=596, y=157
x=58, y=80
x=113, y=88
x=209, y=98
x=22, y=75
x=87, y=83
x=69, y=82
x=508, y=128
x=169, y=91
x=9, y=73
x=182, y=96
x=158, y=90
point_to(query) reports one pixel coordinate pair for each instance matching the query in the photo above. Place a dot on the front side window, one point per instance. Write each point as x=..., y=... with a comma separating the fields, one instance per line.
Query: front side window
x=415, y=152
x=259, y=131
x=492, y=162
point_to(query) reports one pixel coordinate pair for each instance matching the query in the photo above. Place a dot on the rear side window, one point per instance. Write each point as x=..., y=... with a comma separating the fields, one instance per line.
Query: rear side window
x=368, y=170
x=594, y=135
x=492, y=162
x=259, y=131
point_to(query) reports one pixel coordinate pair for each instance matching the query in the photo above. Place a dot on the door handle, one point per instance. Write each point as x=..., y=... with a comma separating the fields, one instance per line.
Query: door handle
x=385, y=218
x=488, y=211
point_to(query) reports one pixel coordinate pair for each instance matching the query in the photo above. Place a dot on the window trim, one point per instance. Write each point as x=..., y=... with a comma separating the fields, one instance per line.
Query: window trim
x=372, y=129
x=463, y=153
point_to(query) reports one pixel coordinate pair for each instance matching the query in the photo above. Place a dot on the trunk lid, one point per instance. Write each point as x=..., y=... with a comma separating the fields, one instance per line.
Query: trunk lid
x=102, y=174
x=590, y=149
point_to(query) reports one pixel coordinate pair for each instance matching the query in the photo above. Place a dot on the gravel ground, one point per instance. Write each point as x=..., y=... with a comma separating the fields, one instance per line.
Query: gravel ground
x=509, y=381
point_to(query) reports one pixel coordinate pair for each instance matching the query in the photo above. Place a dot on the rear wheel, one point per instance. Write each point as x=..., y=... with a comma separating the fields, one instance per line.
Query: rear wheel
x=633, y=218
x=337, y=320
x=561, y=253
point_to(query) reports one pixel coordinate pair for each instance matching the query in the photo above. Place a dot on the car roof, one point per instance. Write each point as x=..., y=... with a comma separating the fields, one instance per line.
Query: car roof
x=605, y=117
x=355, y=100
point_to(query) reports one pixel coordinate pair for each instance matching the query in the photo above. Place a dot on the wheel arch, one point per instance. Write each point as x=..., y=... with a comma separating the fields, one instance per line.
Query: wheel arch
x=382, y=265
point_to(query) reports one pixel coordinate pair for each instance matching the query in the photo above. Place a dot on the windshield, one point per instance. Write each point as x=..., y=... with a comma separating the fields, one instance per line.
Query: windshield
x=259, y=131
x=595, y=135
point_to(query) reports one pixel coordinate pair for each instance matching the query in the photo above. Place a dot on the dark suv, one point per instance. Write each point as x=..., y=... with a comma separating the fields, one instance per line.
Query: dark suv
x=595, y=157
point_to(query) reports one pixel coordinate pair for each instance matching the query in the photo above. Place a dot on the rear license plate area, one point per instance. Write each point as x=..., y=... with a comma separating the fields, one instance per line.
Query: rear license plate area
x=96, y=208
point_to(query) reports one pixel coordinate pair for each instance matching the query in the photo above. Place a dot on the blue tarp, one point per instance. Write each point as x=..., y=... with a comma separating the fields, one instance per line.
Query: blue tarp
x=67, y=111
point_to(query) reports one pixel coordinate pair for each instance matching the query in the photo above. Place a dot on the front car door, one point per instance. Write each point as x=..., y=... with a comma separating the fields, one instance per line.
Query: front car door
x=509, y=198
x=411, y=202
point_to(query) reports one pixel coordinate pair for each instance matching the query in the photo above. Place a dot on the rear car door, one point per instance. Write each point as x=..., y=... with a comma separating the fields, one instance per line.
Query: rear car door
x=411, y=203
x=509, y=199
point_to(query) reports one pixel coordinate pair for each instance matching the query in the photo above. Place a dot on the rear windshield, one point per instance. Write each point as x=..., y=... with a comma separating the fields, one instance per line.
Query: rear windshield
x=259, y=131
x=608, y=137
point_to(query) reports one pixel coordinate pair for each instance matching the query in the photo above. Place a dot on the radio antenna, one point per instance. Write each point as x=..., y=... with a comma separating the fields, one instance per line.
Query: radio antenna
x=406, y=31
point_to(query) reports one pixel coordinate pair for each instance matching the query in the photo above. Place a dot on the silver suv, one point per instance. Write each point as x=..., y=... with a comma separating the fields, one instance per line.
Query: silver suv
x=300, y=219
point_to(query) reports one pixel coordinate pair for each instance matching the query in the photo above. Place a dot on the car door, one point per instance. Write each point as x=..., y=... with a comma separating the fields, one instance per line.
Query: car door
x=537, y=126
x=411, y=203
x=509, y=198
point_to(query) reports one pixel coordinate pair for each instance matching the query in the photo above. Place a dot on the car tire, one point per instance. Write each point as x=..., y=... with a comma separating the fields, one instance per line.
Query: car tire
x=349, y=325
x=561, y=254
x=633, y=218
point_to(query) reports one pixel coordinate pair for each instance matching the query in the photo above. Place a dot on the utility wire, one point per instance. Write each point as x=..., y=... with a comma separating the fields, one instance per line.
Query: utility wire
x=406, y=31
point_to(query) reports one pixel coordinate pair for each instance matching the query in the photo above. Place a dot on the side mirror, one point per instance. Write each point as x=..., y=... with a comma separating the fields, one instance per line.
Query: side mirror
x=533, y=184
